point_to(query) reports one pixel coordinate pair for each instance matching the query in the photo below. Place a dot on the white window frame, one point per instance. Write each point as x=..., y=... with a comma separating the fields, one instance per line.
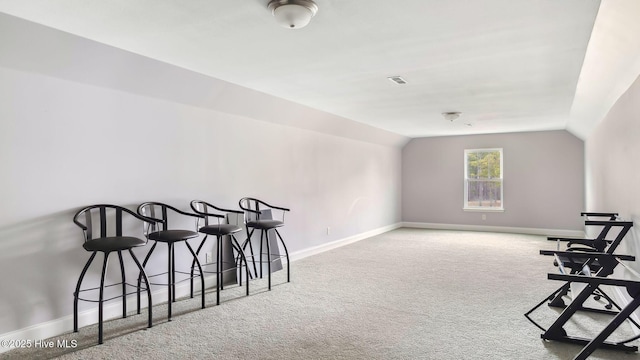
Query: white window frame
x=466, y=206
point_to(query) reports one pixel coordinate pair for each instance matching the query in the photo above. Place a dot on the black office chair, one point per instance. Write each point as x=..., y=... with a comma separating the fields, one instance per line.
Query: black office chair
x=255, y=219
x=159, y=213
x=102, y=227
x=219, y=230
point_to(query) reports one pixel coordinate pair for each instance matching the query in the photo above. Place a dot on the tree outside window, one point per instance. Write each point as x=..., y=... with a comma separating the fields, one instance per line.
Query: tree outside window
x=483, y=179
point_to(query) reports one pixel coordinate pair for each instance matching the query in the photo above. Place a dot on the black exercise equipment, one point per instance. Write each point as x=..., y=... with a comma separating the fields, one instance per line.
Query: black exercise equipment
x=591, y=261
x=576, y=264
x=600, y=242
x=108, y=237
x=608, y=262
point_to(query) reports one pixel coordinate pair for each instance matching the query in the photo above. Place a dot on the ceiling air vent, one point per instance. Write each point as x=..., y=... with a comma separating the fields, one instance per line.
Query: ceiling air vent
x=397, y=79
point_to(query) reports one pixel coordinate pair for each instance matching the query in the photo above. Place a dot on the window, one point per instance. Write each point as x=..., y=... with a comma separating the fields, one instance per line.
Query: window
x=483, y=179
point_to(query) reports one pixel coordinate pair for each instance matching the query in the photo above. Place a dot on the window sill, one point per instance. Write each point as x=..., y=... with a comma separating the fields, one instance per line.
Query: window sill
x=483, y=209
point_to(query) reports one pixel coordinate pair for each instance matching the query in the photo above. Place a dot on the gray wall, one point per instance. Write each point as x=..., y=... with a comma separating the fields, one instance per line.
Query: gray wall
x=543, y=180
x=613, y=172
x=84, y=123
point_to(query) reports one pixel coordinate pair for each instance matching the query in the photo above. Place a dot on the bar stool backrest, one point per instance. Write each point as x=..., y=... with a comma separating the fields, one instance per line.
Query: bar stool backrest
x=212, y=214
x=159, y=212
x=253, y=208
x=105, y=220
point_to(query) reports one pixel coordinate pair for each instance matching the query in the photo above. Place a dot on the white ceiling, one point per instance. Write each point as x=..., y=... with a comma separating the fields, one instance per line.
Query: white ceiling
x=507, y=65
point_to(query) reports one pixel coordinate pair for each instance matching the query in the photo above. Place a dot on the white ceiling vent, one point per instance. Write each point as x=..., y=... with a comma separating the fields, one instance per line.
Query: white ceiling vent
x=397, y=79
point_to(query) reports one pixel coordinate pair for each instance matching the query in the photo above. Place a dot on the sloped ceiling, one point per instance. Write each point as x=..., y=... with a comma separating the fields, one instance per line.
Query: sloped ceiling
x=507, y=65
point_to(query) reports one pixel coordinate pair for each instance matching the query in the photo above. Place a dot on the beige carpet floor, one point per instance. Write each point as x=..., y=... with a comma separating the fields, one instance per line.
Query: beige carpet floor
x=405, y=294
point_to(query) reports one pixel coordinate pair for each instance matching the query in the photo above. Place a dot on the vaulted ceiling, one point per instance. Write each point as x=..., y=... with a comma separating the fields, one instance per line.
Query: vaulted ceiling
x=507, y=65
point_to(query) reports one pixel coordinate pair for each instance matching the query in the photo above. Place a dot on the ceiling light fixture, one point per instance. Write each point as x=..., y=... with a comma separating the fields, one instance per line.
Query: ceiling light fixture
x=293, y=14
x=451, y=115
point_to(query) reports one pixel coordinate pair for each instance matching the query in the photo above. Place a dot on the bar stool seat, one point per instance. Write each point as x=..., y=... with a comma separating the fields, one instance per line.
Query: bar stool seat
x=221, y=229
x=265, y=224
x=172, y=235
x=113, y=243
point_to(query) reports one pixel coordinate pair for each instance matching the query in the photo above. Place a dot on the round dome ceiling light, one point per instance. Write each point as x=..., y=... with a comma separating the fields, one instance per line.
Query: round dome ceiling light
x=293, y=14
x=451, y=115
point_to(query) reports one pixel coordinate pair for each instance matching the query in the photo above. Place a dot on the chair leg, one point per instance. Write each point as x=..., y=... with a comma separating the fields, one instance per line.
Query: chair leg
x=286, y=252
x=268, y=258
x=100, y=299
x=124, y=286
x=146, y=281
x=602, y=294
x=195, y=258
x=557, y=300
x=76, y=294
x=246, y=265
x=239, y=259
x=236, y=259
x=193, y=264
x=218, y=268
x=248, y=242
x=169, y=280
x=219, y=239
x=144, y=263
x=173, y=275
x=261, y=240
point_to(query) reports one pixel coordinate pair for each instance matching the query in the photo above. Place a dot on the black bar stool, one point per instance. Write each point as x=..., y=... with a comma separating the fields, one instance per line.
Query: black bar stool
x=101, y=241
x=219, y=230
x=253, y=209
x=158, y=212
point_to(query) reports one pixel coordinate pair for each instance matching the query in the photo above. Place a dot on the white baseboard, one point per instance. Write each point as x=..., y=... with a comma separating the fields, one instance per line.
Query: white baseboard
x=501, y=229
x=113, y=310
x=301, y=254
